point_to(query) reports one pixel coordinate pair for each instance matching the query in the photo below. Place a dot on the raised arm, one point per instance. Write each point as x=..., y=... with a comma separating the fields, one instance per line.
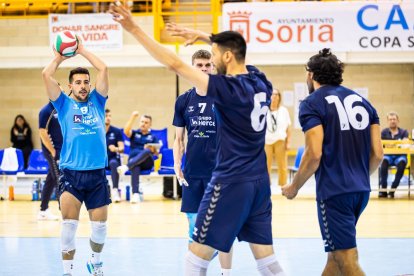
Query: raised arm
x=309, y=163
x=157, y=51
x=102, y=79
x=128, y=125
x=52, y=86
x=377, y=152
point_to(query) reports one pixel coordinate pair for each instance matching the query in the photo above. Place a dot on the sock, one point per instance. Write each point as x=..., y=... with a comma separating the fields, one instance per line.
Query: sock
x=269, y=266
x=194, y=265
x=225, y=272
x=96, y=257
x=67, y=267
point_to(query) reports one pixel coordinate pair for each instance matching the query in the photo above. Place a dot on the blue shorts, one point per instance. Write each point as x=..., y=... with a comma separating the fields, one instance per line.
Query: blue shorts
x=393, y=160
x=227, y=211
x=193, y=193
x=338, y=217
x=90, y=187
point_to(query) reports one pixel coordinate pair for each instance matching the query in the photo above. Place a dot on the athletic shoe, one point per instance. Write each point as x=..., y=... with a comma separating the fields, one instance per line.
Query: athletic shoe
x=122, y=169
x=135, y=198
x=116, y=195
x=391, y=194
x=382, y=194
x=95, y=269
x=46, y=215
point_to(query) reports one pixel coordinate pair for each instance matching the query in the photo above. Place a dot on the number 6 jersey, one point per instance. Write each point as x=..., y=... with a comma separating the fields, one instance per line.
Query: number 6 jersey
x=346, y=118
x=241, y=103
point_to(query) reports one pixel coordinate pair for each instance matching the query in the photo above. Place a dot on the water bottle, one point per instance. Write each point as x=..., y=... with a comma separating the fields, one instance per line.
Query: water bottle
x=128, y=193
x=11, y=192
x=35, y=190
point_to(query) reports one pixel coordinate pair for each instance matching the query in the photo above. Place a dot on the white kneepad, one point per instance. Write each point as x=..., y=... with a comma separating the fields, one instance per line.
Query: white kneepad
x=69, y=227
x=98, y=232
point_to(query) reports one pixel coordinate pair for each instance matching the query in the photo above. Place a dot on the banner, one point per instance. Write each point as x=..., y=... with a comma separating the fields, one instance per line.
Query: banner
x=97, y=31
x=311, y=26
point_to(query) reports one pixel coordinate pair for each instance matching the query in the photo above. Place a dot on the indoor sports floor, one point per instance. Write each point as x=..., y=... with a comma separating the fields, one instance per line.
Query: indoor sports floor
x=150, y=238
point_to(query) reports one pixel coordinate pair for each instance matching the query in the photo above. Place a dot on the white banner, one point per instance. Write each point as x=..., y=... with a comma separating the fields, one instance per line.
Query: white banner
x=311, y=26
x=97, y=31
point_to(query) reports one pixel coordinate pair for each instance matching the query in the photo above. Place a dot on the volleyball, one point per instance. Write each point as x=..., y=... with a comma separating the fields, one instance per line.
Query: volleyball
x=66, y=43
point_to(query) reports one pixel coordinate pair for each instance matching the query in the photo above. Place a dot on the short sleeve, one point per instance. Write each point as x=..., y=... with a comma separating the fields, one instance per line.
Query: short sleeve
x=374, y=116
x=219, y=89
x=404, y=134
x=98, y=99
x=179, y=120
x=59, y=103
x=308, y=116
x=118, y=135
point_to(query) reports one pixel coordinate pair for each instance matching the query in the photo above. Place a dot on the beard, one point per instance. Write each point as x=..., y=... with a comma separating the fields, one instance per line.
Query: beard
x=221, y=69
x=79, y=97
x=311, y=88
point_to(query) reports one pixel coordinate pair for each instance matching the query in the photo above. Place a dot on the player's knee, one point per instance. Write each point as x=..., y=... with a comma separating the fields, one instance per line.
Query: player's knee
x=69, y=227
x=98, y=232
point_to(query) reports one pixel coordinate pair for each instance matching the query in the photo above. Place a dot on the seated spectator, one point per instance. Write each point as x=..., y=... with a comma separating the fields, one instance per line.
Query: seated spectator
x=21, y=137
x=393, y=132
x=115, y=146
x=141, y=154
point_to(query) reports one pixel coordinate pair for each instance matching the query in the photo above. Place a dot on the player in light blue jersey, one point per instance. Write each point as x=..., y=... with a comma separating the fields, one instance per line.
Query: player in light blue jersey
x=237, y=201
x=342, y=147
x=83, y=156
x=195, y=114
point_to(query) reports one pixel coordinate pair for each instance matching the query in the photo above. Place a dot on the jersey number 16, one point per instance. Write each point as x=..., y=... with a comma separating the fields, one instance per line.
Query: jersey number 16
x=347, y=113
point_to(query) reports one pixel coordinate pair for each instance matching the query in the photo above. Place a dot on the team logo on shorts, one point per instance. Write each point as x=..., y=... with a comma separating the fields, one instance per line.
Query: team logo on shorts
x=77, y=119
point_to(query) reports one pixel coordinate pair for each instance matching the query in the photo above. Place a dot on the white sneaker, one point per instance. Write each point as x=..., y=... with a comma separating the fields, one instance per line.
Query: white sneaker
x=122, y=169
x=95, y=269
x=46, y=215
x=135, y=198
x=116, y=195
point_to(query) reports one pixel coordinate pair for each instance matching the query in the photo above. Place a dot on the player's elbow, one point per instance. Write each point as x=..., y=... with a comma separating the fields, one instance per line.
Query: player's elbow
x=314, y=158
x=45, y=74
x=175, y=65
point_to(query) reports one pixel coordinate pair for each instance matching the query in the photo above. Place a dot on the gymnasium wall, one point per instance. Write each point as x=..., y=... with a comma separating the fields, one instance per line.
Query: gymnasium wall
x=152, y=89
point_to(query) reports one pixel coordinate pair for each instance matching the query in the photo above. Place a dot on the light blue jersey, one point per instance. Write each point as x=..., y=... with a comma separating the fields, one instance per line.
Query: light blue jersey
x=83, y=129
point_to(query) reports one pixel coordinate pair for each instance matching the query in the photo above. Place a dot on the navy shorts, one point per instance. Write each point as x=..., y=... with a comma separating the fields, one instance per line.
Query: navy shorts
x=90, y=187
x=193, y=193
x=393, y=160
x=227, y=211
x=338, y=217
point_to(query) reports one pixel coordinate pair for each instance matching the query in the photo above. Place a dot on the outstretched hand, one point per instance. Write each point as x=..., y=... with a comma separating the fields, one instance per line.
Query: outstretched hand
x=191, y=36
x=122, y=15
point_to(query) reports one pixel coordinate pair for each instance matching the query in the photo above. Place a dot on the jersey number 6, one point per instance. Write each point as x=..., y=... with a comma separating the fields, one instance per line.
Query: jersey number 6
x=258, y=115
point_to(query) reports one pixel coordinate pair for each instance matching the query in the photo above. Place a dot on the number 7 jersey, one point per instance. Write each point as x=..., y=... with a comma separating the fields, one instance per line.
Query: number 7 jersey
x=241, y=103
x=346, y=118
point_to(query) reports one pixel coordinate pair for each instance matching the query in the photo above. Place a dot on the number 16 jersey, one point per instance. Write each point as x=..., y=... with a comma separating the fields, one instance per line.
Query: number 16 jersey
x=346, y=118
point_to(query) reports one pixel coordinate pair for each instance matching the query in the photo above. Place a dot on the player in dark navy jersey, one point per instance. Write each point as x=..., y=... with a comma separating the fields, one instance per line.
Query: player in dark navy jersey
x=237, y=200
x=114, y=146
x=51, y=138
x=195, y=114
x=342, y=147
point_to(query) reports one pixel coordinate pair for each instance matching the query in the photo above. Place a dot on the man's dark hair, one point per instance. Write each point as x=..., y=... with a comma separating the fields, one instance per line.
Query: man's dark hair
x=147, y=116
x=201, y=54
x=231, y=41
x=326, y=68
x=107, y=110
x=78, y=70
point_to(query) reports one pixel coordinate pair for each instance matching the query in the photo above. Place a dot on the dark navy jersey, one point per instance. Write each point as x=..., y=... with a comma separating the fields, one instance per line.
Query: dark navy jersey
x=346, y=118
x=195, y=113
x=241, y=103
x=138, y=141
x=113, y=136
x=48, y=119
x=387, y=135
